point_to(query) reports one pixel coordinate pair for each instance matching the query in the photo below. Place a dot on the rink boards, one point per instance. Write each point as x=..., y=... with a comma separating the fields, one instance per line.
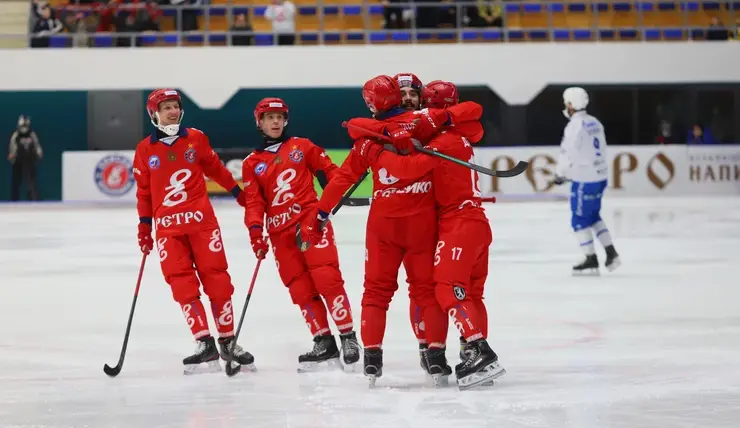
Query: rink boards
x=651, y=170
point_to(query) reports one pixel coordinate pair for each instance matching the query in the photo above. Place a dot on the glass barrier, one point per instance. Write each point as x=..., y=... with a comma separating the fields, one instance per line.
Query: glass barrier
x=130, y=25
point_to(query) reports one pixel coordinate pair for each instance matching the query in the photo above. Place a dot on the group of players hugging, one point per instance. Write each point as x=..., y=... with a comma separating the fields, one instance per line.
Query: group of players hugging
x=425, y=213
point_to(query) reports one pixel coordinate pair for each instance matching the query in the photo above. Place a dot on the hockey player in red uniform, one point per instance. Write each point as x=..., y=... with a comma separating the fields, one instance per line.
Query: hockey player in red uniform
x=411, y=88
x=169, y=169
x=401, y=226
x=461, y=257
x=278, y=181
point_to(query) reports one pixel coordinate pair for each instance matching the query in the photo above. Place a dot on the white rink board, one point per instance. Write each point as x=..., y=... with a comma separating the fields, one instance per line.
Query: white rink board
x=97, y=176
x=654, y=170
x=653, y=345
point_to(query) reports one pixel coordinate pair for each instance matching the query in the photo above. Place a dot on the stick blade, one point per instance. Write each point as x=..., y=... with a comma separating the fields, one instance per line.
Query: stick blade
x=112, y=371
x=232, y=368
x=518, y=169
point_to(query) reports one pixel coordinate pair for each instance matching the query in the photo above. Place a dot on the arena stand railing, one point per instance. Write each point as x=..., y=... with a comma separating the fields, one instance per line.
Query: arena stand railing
x=350, y=22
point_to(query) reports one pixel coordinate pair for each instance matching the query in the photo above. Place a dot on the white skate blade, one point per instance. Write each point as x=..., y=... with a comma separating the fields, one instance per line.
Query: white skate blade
x=490, y=373
x=614, y=265
x=350, y=368
x=371, y=379
x=321, y=366
x=587, y=272
x=203, y=368
x=440, y=380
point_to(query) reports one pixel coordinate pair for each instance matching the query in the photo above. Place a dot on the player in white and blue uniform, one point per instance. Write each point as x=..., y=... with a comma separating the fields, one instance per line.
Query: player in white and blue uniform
x=583, y=162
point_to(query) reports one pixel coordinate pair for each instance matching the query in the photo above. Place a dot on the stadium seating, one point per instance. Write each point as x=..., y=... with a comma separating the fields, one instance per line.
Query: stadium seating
x=346, y=21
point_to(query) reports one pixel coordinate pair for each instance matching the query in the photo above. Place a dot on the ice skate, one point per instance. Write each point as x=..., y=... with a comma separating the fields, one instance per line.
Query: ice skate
x=323, y=356
x=479, y=366
x=373, y=365
x=437, y=366
x=205, y=358
x=242, y=357
x=350, y=350
x=612, y=259
x=423, y=347
x=589, y=267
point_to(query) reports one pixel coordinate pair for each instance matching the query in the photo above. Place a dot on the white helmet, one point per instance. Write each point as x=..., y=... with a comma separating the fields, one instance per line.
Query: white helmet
x=575, y=97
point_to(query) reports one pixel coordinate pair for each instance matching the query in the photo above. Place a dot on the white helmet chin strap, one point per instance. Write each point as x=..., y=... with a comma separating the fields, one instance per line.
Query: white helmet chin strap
x=170, y=130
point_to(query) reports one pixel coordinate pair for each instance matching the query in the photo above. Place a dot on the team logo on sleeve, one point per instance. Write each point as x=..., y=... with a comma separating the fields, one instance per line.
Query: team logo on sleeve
x=459, y=292
x=114, y=175
x=190, y=155
x=154, y=162
x=296, y=155
x=260, y=168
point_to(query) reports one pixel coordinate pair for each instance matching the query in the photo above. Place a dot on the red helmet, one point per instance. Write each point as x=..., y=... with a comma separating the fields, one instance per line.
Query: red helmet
x=157, y=97
x=381, y=93
x=270, y=105
x=410, y=80
x=440, y=94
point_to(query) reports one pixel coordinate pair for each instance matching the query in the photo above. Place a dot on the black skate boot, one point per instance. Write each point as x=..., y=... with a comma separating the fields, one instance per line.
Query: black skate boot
x=241, y=356
x=437, y=365
x=350, y=349
x=479, y=366
x=612, y=259
x=463, y=344
x=589, y=267
x=373, y=363
x=205, y=352
x=324, y=354
x=423, y=347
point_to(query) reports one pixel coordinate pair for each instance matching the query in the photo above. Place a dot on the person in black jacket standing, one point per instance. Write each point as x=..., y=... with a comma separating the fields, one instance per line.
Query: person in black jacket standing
x=23, y=153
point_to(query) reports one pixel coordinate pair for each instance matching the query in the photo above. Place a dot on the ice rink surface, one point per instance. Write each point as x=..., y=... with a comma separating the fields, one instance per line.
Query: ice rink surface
x=655, y=344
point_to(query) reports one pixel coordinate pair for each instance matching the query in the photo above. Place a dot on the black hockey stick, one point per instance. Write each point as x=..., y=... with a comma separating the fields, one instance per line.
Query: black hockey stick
x=113, y=371
x=518, y=169
x=353, y=202
x=231, y=368
x=305, y=245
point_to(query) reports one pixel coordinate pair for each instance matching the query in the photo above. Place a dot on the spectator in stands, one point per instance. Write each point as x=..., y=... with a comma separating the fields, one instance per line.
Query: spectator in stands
x=189, y=14
x=717, y=31
x=699, y=135
x=666, y=135
x=282, y=15
x=428, y=16
x=448, y=15
x=75, y=24
x=486, y=14
x=393, y=14
x=240, y=25
x=45, y=26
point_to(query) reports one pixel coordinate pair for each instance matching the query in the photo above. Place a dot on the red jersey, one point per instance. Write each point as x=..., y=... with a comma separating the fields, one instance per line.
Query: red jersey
x=456, y=189
x=170, y=183
x=279, y=182
x=393, y=195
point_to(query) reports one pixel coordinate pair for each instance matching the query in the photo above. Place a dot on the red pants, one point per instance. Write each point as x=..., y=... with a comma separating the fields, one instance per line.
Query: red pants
x=390, y=242
x=311, y=275
x=460, y=271
x=188, y=261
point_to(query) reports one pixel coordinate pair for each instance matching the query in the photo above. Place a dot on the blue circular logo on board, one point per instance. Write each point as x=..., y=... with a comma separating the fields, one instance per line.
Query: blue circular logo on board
x=114, y=175
x=260, y=168
x=154, y=162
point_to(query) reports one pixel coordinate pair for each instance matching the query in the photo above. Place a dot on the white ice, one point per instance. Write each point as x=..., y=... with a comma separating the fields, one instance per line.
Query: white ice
x=655, y=344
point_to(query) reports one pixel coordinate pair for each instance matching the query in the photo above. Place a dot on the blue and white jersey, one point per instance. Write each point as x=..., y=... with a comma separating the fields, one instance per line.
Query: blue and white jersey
x=583, y=150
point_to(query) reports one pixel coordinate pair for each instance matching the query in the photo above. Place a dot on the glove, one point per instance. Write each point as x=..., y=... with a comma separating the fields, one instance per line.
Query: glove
x=430, y=123
x=401, y=138
x=310, y=231
x=146, y=244
x=369, y=149
x=559, y=180
x=259, y=245
x=240, y=195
